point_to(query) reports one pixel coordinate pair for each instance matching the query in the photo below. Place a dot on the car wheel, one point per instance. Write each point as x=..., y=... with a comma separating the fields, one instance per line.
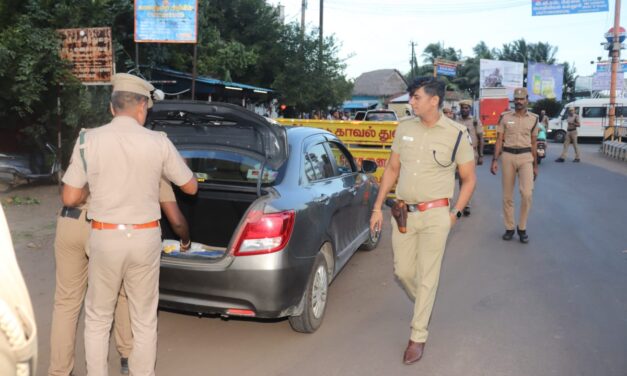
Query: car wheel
x=372, y=242
x=315, y=299
x=560, y=136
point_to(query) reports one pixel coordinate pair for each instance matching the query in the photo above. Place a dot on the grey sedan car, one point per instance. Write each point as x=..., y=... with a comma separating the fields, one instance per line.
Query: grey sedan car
x=279, y=212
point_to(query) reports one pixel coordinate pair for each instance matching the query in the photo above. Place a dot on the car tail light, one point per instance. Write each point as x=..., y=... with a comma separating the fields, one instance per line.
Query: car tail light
x=264, y=233
x=240, y=312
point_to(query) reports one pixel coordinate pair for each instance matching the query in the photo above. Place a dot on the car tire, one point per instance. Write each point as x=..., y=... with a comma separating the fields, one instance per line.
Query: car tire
x=559, y=137
x=371, y=243
x=315, y=299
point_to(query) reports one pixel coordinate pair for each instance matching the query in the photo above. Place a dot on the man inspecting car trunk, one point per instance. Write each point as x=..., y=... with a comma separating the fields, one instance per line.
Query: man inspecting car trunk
x=425, y=154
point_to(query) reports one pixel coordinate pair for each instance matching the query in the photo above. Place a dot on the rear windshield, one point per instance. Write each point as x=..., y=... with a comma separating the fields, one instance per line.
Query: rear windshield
x=226, y=166
x=380, y=116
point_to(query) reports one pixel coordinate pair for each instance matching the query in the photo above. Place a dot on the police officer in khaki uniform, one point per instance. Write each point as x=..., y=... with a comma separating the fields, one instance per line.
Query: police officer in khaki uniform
x=123, y=163
x=516, y=136
x=425, y=153
x=71, y=282
x=571, y=136
x=475, y=131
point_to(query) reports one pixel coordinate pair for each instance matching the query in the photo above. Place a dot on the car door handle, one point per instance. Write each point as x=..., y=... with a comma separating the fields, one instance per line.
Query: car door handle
x=322, y=199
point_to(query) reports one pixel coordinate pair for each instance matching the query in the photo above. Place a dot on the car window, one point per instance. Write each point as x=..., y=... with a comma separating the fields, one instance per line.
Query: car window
x=621, y=111
x=360, y=115
x=220, y=165
x=594, y=112
x=317, y=163
x=343, y=164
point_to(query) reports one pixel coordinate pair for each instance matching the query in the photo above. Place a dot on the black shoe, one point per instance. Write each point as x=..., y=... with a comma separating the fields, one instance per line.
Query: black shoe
x=560, y=160
x=466, y=211
x=522, y=234
x=124, y=366
x=576, y=160
x=508, y=235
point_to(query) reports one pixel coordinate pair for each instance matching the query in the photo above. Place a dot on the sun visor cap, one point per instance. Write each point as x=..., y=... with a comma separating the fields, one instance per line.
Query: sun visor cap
x=133, y=84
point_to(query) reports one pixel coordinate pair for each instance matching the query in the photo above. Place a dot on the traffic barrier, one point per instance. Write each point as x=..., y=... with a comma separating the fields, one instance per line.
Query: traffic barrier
x=615, y=149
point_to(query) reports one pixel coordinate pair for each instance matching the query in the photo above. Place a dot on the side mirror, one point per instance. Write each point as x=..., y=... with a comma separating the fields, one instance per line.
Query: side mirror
x=368, y=166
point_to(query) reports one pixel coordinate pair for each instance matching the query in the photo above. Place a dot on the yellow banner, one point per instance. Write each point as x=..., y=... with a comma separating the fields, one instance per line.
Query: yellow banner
x=352, y=132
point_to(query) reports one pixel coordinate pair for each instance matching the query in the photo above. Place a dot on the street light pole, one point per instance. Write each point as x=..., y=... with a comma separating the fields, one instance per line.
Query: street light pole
x=610, y=130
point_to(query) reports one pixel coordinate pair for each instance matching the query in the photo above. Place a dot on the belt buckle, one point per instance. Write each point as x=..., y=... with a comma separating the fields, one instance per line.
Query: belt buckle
x=121, y=227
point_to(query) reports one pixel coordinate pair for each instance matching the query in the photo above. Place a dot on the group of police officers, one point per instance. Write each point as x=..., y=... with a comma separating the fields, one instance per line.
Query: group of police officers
x=118, y=181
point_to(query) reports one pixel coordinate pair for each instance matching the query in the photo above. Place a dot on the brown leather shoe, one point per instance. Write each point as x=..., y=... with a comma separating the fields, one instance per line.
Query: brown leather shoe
x=413, y=352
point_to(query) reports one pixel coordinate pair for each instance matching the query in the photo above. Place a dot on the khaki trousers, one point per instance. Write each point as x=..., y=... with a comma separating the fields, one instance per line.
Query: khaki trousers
x=571, y=138
x=71, y=283
x=520, y=165
x=417, y=260
x=130, y=257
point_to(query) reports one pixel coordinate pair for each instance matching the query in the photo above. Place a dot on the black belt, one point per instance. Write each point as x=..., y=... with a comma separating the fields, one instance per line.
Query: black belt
x=70, y=212
x=516, y=150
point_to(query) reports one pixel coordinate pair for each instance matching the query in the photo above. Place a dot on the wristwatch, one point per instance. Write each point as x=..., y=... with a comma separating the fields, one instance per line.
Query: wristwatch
x=456, y=212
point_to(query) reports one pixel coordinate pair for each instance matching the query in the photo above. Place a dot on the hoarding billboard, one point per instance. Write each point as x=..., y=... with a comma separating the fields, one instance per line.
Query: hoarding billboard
x=499, y=73
x=601, y=81
x=544, y=81
x=166, y=21
x=555, y=7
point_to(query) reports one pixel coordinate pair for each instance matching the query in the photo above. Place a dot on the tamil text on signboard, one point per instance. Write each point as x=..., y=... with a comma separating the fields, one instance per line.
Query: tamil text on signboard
x=555, y=7
x=166, y=21
x=90, y=52
x=601, y=81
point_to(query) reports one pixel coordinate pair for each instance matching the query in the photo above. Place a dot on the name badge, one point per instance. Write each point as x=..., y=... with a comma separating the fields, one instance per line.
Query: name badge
x=511, y=122
x=408, y=138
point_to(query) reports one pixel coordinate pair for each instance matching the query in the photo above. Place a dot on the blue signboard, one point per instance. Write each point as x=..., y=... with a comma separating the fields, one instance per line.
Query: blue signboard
x=554, y=7
x=607, y=67
x=446, y=70
x=166, y=21
x=544, y=81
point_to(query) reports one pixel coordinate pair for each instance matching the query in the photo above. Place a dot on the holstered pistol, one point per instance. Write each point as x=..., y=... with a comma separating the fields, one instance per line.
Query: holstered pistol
x=399, y=212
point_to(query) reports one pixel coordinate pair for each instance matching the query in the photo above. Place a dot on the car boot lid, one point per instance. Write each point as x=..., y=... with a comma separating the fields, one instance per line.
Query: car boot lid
x=193, y=123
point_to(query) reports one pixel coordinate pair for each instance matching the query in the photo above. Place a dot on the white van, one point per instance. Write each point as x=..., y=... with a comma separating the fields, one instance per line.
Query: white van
x=593, y=116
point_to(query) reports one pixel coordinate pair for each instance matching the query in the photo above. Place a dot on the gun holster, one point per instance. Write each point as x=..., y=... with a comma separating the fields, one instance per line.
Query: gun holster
x=399, y=212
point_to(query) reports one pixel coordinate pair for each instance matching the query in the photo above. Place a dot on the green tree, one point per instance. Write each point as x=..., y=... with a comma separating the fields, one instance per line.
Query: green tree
x=304, y=84
x=551, y=106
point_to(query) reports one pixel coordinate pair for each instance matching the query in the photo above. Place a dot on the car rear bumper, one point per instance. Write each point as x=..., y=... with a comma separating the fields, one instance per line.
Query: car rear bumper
x=269, y=285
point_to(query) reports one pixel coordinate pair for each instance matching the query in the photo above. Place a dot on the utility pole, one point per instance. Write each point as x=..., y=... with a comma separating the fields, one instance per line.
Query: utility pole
x=413, y=62
x=302, y=19
x=615, y=61
x=320, y=42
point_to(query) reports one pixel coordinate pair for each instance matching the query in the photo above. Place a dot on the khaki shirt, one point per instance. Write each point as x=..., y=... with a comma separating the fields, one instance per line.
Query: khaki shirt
x=474, y=129
x=427, y=172
x=166, y=193
x=517, y=130
x=125, y=163
x=573, y=122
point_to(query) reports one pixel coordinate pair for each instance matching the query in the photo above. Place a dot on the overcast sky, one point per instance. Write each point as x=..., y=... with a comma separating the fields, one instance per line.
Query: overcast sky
x=376, y=34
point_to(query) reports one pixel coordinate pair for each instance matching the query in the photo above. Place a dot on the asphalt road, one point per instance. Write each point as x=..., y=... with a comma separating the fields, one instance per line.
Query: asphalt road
x=556, y=306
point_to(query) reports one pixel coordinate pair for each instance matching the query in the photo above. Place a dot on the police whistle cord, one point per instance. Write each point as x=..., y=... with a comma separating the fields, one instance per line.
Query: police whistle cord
x=12, y=328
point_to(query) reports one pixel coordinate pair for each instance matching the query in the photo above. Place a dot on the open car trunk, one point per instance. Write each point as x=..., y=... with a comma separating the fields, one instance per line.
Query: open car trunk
x=213, y=216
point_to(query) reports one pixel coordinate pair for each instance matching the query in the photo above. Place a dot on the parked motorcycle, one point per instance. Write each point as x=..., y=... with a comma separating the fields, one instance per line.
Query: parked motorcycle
x=541, y=150
x=17, y=169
